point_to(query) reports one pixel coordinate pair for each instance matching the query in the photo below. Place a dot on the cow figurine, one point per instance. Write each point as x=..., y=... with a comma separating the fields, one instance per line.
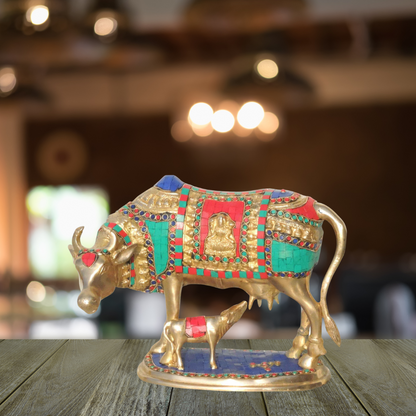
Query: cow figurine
x=174, y=234
x=201, y=329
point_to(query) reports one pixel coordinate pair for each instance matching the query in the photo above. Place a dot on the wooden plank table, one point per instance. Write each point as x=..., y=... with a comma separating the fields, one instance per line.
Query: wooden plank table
x=61, y=377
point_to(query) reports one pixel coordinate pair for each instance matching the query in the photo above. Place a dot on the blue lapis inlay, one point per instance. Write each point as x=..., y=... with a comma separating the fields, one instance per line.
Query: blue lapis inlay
x=170, y=183
x=196, y=360
x=280, y=194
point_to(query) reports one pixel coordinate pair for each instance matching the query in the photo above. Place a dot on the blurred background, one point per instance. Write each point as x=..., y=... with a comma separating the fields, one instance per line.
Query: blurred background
x=97, y=103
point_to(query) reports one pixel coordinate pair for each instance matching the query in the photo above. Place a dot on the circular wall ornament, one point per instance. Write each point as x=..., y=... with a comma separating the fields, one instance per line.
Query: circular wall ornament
x=62, y=157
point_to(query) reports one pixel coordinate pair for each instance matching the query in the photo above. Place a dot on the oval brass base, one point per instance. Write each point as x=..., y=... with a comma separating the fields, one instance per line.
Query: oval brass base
x=288, y=381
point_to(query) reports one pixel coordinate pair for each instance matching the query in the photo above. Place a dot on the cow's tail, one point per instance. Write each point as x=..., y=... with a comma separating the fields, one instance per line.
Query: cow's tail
x=340, y=229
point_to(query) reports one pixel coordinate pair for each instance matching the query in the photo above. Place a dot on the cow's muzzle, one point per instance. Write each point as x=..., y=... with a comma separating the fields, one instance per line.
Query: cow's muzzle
x=88, y=301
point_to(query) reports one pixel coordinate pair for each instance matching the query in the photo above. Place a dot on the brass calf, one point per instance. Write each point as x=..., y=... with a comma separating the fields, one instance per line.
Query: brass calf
x=175, y=334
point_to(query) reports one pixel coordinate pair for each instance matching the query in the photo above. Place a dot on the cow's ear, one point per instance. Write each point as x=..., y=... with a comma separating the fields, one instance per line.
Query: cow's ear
x=72, y=251
x=124, y=254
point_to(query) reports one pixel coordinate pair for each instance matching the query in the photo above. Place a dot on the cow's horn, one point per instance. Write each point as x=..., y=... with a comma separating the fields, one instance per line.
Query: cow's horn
x=76, y=240
x=112, y=241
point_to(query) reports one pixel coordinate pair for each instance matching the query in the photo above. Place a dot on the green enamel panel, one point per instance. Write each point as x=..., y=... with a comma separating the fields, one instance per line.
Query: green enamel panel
x=200, y=272
x=289, y=258
x=256, y=275
x=117, y=228
x=185, y=191
x=159, y=231
x=228, y=275
x=185, y=270
x=214, y=274
x=178, y=262
x=182, y=204
x=243, y=274
x=179, y=233
x=127, y=239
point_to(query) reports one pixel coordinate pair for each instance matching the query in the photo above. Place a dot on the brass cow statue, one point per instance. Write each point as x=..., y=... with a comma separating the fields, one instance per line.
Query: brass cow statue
x=174, y=234
x=176, y=333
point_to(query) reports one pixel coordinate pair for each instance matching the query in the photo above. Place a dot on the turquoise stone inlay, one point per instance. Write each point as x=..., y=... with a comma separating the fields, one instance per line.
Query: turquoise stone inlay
x=159, y=232
x=289, y=258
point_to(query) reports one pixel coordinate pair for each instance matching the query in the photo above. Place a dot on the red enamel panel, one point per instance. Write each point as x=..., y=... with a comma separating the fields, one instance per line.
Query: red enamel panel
x=88, y=258
x=306, y=210
x=263, y=276
x=122, y=233
x=132, y=273
x=183, y=198
x=221, y=274
x=181, y=210
x=191, y=270
x=178, y=269
x=178, y=255
x=235, y=209
x=207, y=272
x=236, y=274
x=195, y=327
x=260, y=249
x=178, y=241
x=262, y=220
x=112, y=225
x=250, y=275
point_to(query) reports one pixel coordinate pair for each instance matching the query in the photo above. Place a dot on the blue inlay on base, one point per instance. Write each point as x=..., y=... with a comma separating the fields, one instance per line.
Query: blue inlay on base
x=235, y=371
x=230, y=361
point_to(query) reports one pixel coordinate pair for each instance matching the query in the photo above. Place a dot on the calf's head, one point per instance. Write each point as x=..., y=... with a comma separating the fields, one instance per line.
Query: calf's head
x=99, y=267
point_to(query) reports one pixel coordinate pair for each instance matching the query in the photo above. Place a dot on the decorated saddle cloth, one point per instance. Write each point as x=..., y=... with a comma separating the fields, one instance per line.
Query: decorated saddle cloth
x=196, y=327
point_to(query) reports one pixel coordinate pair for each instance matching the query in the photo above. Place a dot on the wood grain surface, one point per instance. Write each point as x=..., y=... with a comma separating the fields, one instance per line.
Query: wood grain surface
x=201, y=403
x=381, y=373
x=98, y=377
x=19, y=359
x=121, y=392
x=334, y=398
x=64, y=383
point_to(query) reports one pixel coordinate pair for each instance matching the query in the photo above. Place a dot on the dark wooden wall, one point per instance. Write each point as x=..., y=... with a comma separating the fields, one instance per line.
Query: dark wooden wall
x=360, y=161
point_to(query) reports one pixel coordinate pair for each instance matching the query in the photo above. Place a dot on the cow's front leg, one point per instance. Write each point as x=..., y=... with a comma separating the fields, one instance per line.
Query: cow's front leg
x=300, y=341
x=212, y=344
x=172, y=287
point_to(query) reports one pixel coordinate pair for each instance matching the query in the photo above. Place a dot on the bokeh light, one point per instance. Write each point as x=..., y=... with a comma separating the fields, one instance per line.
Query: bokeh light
x=250, y=115
x=8, y=80
x=203, y=131
x=35, y=291
x=222, y=121
x=267, y=68
x=105, y=26
x=37, y=15
x=269, y=124
x=181, y=131
x=54, y=213
x=200, y=114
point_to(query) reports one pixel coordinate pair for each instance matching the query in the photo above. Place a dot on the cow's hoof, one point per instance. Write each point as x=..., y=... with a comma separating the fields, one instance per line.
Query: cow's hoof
x=294, y=352
x=307, y=362
x=158, y=348
x=214, y=367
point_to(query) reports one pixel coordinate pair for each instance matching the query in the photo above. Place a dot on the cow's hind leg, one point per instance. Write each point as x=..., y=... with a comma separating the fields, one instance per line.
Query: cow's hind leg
x=300, y=342
x=298, y=290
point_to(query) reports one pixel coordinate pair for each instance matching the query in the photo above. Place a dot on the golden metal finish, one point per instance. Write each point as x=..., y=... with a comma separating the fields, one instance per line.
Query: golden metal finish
x=288, y=383
x=122, y=248
x=220, y=240
x=174, y=335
